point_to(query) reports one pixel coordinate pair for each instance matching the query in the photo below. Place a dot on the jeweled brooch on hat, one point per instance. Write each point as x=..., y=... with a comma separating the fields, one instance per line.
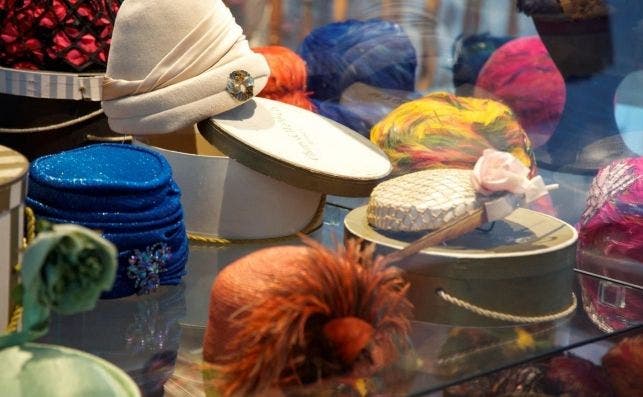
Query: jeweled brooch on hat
x=146, y=266
x=240, y=85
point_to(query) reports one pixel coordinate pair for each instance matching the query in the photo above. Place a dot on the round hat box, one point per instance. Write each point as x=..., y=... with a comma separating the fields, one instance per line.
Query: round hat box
x=51, y=111
x=13, y=187
x=261, y=170
x=518, y=271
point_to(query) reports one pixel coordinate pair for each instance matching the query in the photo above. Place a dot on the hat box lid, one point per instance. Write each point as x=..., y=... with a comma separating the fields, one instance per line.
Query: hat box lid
x=298, y=147
x=523, y=233
x=13, y=168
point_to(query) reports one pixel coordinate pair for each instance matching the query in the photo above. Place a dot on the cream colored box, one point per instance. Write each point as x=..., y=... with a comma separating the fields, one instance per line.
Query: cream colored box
x=261, y=170
x=13, y=175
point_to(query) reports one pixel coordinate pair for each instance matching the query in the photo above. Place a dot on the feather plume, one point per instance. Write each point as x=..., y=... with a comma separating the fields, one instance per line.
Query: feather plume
x=339, y=314
x=453, y=229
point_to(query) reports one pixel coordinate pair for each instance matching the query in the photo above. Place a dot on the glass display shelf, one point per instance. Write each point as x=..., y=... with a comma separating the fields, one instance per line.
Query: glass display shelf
x=157, y=338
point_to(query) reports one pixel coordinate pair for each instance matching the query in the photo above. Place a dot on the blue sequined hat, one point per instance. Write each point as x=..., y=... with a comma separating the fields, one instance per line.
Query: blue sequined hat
x=127, y=193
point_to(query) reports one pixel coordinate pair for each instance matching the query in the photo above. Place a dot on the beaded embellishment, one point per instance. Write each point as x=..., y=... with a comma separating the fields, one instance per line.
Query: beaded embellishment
x=146, y=266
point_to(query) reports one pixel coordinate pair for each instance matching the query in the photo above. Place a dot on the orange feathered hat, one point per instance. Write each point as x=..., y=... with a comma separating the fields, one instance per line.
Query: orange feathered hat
x=293, y=315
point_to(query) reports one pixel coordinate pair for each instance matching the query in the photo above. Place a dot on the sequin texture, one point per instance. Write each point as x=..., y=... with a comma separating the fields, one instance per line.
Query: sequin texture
x=127, y=193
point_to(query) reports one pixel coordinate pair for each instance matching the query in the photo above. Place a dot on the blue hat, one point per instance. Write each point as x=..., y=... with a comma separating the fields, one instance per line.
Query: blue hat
x=127, y=193
x=374, y=52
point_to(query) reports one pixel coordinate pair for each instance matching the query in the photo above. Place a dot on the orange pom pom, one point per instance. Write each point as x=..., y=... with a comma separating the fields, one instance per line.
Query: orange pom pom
x=349, y=336
x=288, y=76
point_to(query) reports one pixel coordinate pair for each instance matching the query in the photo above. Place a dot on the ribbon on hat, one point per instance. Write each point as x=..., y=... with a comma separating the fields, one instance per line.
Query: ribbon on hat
x=494, y=172
x=497, y=171
x=189, y=83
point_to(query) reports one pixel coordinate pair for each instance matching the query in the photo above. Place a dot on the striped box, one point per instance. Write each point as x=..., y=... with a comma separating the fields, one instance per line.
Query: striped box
x=51, y=111
x=13, y=176
x=51, y=85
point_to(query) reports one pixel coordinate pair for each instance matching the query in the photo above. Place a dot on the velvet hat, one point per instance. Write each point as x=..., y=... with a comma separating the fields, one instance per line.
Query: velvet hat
x=172, y=64
x=128, y=194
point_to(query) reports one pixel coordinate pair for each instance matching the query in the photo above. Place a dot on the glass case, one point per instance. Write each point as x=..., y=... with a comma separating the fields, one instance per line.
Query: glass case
x=568, y=75
x=158, y=339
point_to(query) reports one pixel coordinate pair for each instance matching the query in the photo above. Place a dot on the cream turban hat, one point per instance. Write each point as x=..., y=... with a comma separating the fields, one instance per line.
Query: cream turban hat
x=174, y=63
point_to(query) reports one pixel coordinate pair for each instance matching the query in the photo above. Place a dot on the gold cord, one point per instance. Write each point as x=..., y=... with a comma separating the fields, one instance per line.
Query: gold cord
x=508, y=317
x=30, y=235
x=310, y=227
x=16, y=318
x=31, y=225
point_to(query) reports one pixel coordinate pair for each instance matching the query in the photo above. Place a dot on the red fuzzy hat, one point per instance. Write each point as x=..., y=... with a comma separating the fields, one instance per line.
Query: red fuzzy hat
x=522, y=75
x=288, y=77
x=624, y=365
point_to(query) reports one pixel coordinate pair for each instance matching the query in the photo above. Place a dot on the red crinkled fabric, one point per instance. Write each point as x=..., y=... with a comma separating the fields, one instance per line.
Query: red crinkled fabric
x=610, y=241
x=59, y=35
x=612, y=223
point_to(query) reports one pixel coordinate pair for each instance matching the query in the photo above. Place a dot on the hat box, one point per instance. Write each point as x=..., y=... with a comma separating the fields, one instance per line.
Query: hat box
x=518, y=271
x=47, y=112
x=13, y=176
x=51, y=111
x=261, y=170
x=52, y=59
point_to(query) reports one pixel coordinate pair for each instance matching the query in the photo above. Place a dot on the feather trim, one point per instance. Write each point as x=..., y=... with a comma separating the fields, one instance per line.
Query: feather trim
x=453, y=229
x=283, y=339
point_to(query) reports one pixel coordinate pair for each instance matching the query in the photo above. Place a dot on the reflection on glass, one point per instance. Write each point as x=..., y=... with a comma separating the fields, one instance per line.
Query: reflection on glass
x=140, y=334
x=628, y=111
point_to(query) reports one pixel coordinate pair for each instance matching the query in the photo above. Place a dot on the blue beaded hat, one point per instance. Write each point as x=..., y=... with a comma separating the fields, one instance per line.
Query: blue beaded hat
x=127, y=193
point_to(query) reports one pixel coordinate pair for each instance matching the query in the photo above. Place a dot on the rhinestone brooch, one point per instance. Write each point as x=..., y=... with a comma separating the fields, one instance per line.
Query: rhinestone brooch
x=146, y=266
x=240, y=85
